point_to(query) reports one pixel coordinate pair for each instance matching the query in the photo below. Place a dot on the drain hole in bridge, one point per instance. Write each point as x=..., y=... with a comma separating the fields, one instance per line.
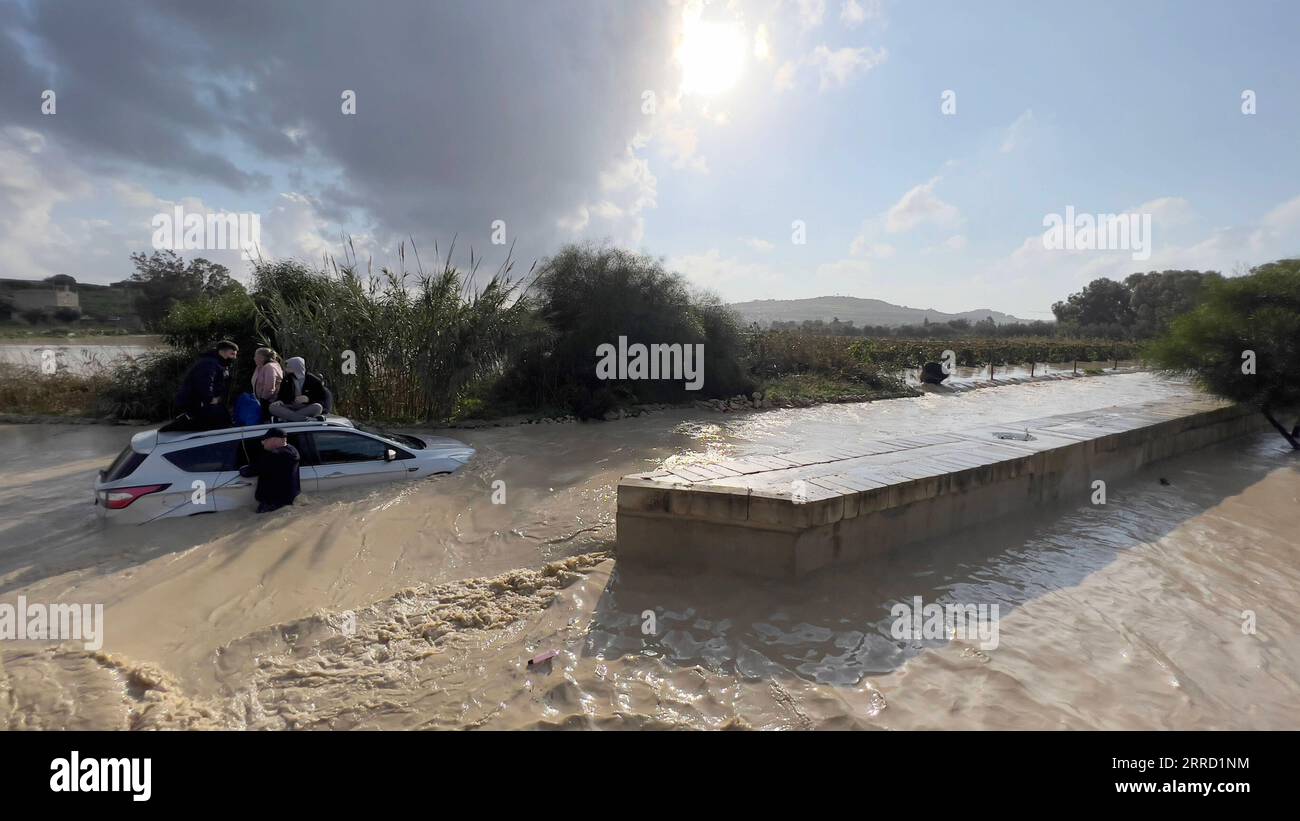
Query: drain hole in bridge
x=1019, y=437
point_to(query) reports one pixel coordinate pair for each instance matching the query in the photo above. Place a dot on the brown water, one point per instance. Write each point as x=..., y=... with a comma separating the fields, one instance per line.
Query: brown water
x=419, y=606
x=78, y=355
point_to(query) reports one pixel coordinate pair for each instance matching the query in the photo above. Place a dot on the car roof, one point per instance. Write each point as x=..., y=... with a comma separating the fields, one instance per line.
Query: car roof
x=146, y=441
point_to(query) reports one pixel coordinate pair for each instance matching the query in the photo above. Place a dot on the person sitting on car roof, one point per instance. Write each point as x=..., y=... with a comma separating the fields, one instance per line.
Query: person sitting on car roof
x=303, y=396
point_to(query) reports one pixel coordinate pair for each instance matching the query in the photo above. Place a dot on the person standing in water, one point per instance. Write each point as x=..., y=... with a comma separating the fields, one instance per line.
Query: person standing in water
x=276, y=469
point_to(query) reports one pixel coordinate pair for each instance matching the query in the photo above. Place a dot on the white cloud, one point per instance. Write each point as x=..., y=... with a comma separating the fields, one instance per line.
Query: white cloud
x=956, y=242
x=837, y=67
x=861, y=246
x=761, y=245
x=783, y=80
x=811, y=13
x=680, y=143
x=1015, y=133
x=919, y=207
x=293, y=228
x=856, y=12
x=39, y=179
x=1166, y=212
x=1284, y=217
x=1039, y=275
x=724, y=274
x=847, y=274
x=628, y=188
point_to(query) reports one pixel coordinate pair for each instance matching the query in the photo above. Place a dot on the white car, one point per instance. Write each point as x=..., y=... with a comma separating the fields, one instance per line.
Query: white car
x=163, y=474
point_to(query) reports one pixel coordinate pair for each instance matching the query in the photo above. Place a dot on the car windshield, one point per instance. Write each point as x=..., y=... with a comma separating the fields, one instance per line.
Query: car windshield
x=400, y=438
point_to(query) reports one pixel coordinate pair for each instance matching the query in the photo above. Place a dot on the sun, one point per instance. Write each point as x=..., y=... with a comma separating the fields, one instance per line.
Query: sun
x=712, y=56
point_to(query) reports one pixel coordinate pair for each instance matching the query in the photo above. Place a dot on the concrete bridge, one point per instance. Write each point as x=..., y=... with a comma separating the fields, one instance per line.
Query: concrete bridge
x=791, y=513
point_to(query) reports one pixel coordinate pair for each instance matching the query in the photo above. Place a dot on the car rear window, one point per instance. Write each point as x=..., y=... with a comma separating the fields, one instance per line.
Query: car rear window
x=124, y=465
x=211, y=458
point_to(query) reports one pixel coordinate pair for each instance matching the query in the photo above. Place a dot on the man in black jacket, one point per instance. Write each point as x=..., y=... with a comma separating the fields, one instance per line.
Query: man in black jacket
x=202, y=395
x=276, y=469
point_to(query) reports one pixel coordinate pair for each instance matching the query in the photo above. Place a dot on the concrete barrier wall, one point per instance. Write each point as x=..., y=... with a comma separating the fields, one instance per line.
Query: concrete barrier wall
x=789, y=514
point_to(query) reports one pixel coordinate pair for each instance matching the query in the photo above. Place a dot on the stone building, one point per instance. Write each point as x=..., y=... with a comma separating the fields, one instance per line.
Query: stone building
x=49, y=294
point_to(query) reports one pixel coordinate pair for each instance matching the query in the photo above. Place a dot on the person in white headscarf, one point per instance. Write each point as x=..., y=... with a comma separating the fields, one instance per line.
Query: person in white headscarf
x=303, y=396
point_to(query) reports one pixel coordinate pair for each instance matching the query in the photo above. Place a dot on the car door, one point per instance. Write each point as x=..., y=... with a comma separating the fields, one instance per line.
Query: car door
x=306, y=461
x=347, y=459
x=253, y=449
x=211, y=480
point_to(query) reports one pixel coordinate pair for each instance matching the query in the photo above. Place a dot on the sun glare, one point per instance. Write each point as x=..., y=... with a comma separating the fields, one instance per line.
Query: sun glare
x=712, y=56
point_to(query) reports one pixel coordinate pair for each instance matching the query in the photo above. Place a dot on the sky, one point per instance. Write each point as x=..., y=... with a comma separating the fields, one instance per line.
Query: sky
x=777, y=149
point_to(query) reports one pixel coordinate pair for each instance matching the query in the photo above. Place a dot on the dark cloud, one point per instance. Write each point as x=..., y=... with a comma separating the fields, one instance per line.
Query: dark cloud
x=467, y=112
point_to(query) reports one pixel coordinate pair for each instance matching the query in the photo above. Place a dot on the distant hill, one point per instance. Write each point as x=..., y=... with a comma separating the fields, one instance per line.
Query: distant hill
x=859, y=311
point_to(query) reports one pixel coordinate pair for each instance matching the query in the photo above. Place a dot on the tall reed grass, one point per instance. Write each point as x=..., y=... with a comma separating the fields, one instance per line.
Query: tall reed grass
x=398, y=345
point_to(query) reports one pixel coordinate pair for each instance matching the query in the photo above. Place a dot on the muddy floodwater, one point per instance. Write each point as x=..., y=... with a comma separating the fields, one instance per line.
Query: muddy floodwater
x=77, y=355
x=1176, y=604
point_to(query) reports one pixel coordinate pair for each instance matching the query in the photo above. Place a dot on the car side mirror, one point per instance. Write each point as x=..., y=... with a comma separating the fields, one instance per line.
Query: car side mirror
x=390, y=455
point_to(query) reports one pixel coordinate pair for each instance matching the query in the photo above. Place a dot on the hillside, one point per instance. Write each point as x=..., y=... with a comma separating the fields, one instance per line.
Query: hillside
x=859, y=311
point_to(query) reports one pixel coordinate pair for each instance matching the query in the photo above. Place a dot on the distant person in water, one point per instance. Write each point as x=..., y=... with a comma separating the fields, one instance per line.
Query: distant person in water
x=267, y=378
x=932, y=376
x=202, y=396
x=302, y=396
x=932, y=373
x=276, y=469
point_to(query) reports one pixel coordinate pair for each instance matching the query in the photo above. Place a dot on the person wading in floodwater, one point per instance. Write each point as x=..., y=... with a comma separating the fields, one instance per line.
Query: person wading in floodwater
x=276, y=469
x=932, y=376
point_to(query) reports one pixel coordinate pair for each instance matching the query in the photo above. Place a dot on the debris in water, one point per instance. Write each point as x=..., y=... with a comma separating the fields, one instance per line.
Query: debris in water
x=541, y=658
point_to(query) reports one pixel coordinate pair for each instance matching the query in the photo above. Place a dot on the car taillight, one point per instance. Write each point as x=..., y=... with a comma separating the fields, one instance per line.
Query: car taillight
x=120, y=497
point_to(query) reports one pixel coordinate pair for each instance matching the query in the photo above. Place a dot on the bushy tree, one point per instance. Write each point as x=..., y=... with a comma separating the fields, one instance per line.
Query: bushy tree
x=1156, y=297
x=1242, y=342
x=165, y=280
x=588, y=296
x=1101, y=302
x=196, y=324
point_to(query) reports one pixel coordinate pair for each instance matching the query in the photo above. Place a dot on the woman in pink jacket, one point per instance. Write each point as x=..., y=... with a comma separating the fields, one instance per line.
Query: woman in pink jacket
x=267, y=377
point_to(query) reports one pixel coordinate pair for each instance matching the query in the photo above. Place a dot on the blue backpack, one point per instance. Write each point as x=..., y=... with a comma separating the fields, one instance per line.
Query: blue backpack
x=248, y=411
